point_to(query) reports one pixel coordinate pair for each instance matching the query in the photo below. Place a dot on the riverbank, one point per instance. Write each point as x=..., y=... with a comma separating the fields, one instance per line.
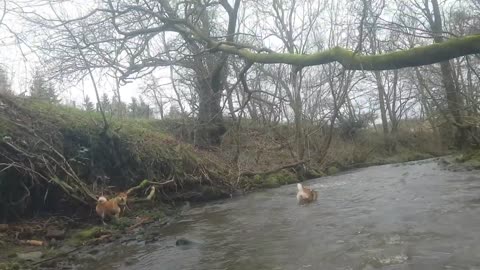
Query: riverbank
x=59, y=242
x=461, y=162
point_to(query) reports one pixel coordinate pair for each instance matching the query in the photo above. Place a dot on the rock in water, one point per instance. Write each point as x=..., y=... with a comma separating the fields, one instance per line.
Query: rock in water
x=183, y=242
x=186, y=242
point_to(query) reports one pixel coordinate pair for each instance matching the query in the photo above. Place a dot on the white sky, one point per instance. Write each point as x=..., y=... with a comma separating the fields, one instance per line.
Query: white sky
x=20, y=61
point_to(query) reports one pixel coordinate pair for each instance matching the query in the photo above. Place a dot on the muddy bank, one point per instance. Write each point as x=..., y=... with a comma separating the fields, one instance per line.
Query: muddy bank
x=65, y=243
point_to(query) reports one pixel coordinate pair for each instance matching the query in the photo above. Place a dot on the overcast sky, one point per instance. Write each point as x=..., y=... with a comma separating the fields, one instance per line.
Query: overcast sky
x=20, y=60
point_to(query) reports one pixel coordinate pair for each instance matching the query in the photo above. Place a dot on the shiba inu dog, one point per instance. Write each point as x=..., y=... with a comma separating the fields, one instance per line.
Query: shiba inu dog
x=111, y=208
x=305, y=194
x=122, y=201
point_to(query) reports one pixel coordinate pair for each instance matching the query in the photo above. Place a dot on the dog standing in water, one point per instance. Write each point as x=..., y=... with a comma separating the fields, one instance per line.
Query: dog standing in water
x=306, y=195
x=111, y=208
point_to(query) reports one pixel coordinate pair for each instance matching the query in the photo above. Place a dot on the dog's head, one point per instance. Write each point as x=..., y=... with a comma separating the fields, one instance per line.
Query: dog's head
x=122, y=198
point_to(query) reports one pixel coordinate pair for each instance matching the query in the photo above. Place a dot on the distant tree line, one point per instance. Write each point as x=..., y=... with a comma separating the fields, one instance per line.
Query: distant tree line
x=42, y=88
x=136, y=108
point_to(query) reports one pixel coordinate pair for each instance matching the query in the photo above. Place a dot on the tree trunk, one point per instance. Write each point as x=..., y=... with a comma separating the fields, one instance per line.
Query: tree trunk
x=299, y=137
x=383, y=110
x=298, y=113
x=454, y=100
x=159, y=102
x=454, y=103
x=210, y=126
x=392, y=107
x=428, y=110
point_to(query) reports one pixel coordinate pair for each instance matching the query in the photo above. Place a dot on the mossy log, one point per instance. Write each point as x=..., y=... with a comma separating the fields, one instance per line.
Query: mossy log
x=418, y=56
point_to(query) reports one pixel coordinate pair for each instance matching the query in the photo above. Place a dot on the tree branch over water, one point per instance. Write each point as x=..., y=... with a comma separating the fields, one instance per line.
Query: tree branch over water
x=418, y=56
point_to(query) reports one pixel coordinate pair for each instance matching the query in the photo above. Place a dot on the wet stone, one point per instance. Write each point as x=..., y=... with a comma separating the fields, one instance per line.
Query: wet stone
x=183, y=242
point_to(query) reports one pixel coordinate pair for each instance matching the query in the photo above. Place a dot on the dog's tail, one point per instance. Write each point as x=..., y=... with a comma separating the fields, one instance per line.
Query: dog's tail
x=300, y=187
x=101, y=199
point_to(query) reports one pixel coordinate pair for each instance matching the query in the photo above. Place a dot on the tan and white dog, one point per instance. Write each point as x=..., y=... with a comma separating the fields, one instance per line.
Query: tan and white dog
x=305, y=194
x=111, y=208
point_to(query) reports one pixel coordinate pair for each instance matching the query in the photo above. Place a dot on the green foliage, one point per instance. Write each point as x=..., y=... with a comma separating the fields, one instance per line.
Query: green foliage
x=88, y=104
x=43, y=89
x=138, y=108
x=106, y=105
x=87, y=234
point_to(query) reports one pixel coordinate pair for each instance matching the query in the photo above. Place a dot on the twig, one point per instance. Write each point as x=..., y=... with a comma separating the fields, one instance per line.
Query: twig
x=145, y=183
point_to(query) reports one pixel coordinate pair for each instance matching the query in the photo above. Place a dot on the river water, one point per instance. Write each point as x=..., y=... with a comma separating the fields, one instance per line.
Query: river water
x=403, y=216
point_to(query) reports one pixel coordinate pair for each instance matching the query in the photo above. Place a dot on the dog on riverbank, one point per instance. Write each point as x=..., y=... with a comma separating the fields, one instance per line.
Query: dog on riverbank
x=305, y=194
x=111, y=208
x=122, y=201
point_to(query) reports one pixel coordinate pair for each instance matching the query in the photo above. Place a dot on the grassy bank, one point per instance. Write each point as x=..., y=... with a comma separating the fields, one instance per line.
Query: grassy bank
x=53, y=154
